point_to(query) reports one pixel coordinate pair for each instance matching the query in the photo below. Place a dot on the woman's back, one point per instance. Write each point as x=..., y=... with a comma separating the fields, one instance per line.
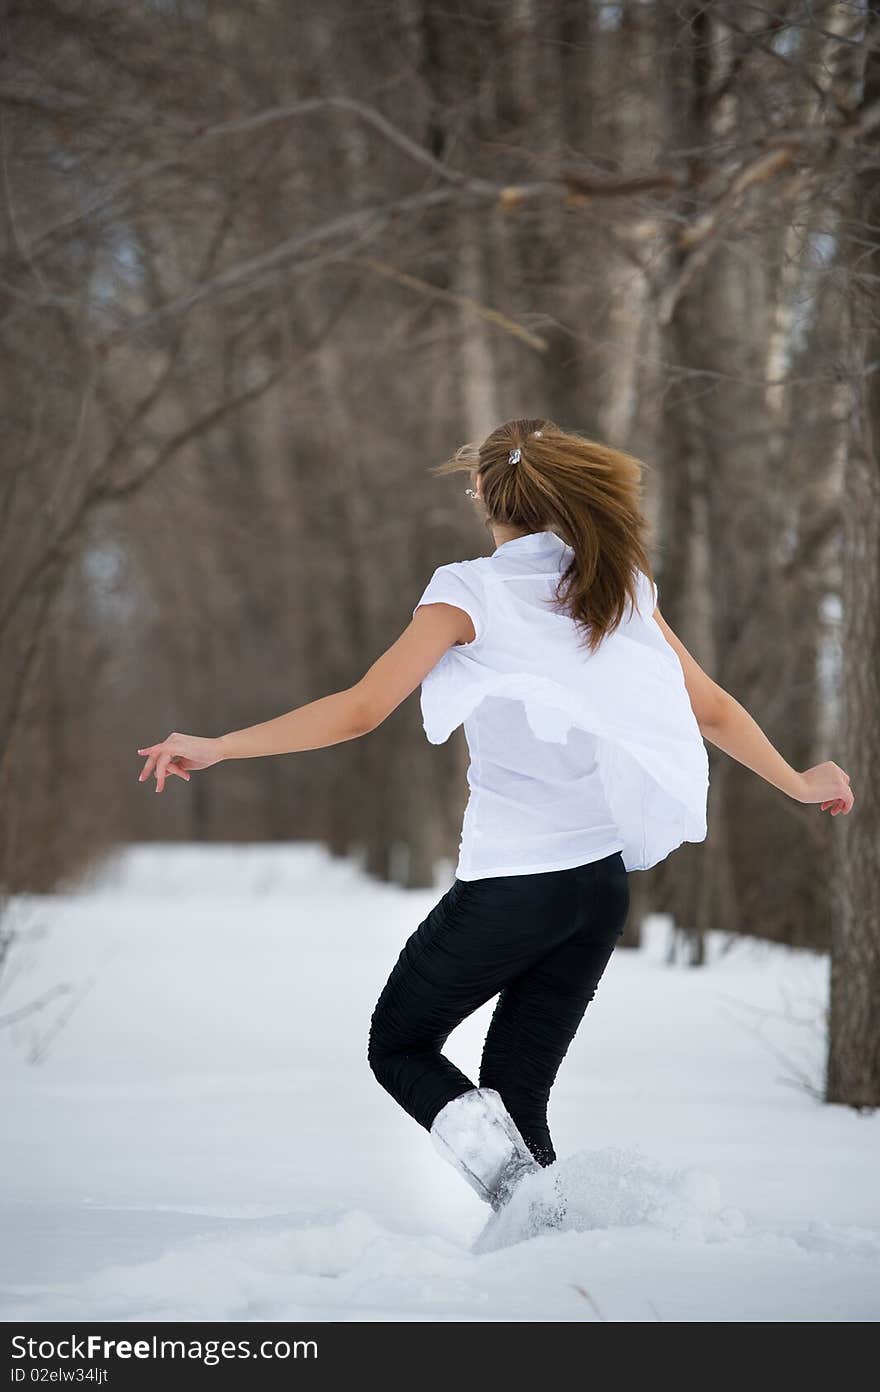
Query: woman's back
x=573, y=754
x=533, y=805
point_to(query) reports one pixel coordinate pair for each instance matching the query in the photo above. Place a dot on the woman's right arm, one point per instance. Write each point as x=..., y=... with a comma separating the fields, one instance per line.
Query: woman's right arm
x=728, y=725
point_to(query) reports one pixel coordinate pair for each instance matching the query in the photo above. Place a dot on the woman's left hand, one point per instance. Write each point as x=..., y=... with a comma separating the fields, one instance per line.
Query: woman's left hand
x=179, y=755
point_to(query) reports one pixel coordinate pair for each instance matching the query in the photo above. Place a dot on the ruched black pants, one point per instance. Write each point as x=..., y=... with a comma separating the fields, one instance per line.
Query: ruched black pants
x=539, y=942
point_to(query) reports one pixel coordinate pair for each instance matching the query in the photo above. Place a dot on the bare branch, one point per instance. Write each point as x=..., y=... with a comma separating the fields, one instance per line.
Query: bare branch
x=435, y=292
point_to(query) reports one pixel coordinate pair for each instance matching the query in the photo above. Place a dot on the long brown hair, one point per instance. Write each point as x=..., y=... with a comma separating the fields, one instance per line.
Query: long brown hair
x=586, y=492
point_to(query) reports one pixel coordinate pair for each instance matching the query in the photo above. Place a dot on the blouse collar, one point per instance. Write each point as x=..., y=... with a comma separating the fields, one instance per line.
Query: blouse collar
x=532, y=541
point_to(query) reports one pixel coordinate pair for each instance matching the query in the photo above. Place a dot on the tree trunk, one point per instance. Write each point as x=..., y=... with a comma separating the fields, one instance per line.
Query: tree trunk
x=853, y=1073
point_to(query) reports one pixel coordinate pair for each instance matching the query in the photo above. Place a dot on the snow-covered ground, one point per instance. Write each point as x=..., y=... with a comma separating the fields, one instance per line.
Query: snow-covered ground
x=193, y=1132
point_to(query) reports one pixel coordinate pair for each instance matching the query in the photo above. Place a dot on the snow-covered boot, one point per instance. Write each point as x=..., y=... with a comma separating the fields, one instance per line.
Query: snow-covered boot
x=478, y=1136
x=537, y=1206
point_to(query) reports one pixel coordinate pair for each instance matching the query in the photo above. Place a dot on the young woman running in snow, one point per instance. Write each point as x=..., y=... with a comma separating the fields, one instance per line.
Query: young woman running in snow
x=585, y=718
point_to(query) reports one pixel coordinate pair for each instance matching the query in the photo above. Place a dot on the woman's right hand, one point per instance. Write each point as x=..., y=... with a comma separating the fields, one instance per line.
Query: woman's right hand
x=180, y=755
x=829, y=785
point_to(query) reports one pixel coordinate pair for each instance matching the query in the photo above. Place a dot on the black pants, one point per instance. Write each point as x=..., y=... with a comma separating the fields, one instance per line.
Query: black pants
x=542, y=941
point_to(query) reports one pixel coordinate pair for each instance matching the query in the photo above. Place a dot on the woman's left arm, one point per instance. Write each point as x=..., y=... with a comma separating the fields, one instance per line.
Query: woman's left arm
x=343, y=715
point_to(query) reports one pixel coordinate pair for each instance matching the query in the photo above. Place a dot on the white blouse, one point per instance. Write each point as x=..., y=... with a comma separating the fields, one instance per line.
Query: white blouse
x=573, y=755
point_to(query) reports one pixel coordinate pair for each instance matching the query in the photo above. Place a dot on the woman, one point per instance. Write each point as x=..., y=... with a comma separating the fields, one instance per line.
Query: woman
x=585, y=718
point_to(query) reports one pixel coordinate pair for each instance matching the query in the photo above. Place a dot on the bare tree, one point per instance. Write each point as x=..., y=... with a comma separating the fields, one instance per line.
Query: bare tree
x=853, y=1073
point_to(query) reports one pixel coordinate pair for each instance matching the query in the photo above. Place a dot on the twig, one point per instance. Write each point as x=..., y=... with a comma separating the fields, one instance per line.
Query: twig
x=40, y=1047
x=800, y=1078
x=590, y=1301
x=39, y=1003
x=436, y=292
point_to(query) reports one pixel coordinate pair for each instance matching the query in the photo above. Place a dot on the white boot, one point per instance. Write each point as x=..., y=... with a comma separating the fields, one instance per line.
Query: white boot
x=538, y=1205
x=479, y=1137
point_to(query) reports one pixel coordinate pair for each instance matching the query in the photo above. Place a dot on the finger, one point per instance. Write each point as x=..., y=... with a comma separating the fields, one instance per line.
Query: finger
x=170, y=767
x=151, y=760
x=161, y=766
x=167, y=769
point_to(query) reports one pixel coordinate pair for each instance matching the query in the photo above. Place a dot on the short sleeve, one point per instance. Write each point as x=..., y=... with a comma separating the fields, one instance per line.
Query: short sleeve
x=648, y=595
x=458, y=584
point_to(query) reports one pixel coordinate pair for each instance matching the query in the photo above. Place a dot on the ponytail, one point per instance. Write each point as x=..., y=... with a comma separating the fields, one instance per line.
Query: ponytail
x=535, y=476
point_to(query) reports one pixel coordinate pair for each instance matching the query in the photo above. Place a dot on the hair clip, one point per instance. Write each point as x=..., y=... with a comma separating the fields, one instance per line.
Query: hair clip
x=515, y=456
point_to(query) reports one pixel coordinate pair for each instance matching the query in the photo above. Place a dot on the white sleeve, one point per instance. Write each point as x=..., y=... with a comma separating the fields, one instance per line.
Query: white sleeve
x=458, y=584
x=648, y=595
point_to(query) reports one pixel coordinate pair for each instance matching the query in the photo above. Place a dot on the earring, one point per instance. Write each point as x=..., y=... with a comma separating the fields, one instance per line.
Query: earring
x=472, y=493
